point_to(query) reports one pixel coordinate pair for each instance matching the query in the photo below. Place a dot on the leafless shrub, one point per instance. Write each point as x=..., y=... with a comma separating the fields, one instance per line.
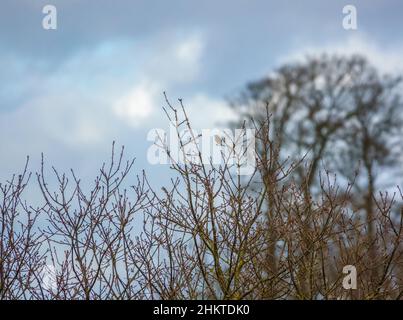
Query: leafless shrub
x=209, y=235
x=21, y=259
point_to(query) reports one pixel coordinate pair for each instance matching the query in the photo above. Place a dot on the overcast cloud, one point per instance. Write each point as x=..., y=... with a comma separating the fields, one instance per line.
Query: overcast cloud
x=100, y=76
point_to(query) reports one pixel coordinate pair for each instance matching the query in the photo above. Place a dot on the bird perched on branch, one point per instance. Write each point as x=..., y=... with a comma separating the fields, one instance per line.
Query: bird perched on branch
x=219, y=140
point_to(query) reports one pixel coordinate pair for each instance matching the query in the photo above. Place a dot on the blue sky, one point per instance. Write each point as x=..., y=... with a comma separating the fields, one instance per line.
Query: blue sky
x=100, y=76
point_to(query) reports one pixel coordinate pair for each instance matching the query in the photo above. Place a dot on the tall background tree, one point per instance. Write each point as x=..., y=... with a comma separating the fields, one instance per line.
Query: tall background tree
x=339, y=114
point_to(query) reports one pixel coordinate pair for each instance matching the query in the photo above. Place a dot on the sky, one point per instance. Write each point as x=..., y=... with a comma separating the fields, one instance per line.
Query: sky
x=100, y=76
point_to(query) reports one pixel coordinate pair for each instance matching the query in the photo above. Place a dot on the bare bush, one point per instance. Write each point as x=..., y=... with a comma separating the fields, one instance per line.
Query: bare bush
x=210, y=234
x=21, y=259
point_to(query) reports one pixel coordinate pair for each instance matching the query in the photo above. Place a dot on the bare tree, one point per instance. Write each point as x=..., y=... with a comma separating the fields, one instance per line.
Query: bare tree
x=338, y=113
x=21, y=259
x=324, y=104
x=209, y=234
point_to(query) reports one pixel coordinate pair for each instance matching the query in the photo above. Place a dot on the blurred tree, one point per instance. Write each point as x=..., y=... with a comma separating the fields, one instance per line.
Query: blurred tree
x=339, y=114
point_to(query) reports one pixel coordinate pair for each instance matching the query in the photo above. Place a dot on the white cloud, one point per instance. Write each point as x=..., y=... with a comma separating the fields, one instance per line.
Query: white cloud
x=179, y=62
x=207, y=112
x=137, y=105
x=175, y=60
x=386, y=59
x=100, y=92
x=190, y=51
x=111, y=91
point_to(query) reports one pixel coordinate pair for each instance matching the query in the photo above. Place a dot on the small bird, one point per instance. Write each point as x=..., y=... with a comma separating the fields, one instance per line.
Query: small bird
x=219, y=141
